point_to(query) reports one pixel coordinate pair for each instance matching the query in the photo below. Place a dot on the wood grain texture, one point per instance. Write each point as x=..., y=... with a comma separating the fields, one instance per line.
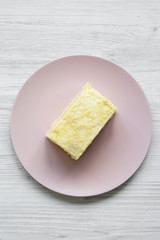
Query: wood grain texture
x=34, y=32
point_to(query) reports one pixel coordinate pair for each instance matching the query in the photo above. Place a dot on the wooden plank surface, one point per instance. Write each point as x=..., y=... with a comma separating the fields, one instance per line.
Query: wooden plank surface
x=34, y=32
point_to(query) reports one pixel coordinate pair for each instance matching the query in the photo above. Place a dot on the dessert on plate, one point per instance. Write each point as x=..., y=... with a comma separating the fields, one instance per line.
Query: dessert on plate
x=81, y=121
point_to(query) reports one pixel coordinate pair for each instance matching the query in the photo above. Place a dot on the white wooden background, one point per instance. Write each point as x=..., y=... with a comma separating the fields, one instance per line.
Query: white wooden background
x=34, y=32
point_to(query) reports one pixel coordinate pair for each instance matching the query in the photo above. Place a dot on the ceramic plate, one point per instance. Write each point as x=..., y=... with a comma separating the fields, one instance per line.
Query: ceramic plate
x=117, y=151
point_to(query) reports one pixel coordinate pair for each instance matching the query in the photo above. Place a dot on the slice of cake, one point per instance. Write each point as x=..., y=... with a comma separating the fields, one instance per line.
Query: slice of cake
x=81, y=121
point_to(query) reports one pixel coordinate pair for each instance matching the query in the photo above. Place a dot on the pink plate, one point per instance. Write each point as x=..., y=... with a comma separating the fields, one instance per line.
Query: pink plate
x=114, y=155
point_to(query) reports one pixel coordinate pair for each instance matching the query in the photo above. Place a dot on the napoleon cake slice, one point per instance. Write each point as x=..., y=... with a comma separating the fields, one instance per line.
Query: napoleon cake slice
x=81, y=121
